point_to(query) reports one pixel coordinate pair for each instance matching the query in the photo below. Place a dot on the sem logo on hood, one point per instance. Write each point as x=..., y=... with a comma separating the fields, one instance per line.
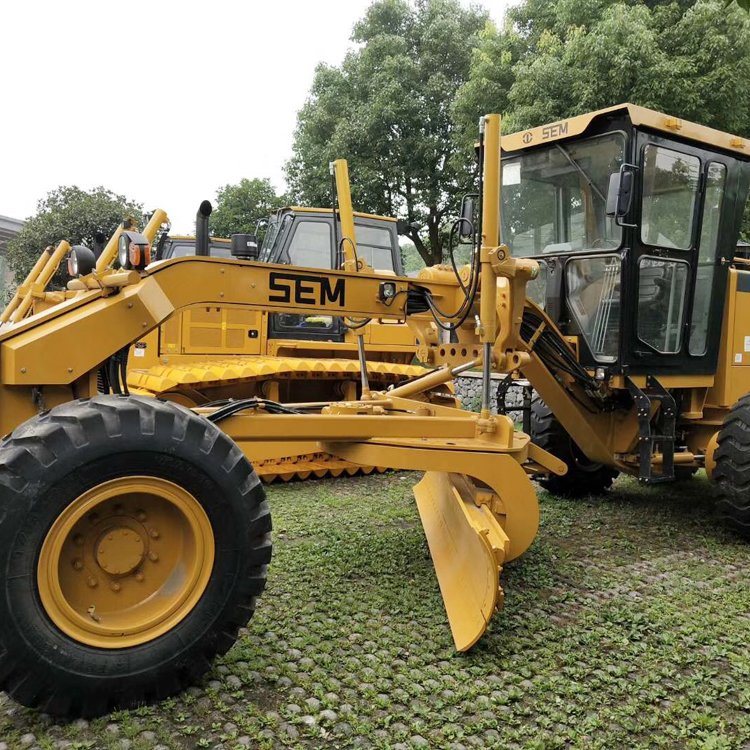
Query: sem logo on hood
x=301, y=289
x=527, y=137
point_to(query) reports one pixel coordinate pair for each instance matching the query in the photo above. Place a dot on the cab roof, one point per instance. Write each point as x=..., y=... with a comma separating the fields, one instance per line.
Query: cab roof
x=191, y=238
x=650, y=118
x=358, y=214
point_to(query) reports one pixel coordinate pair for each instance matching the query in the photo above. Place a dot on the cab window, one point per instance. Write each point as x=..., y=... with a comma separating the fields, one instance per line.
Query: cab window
x=662, y=288
x=183, y=250
x=311, y=245
x=670, y=189
x=374, y=247
x=716, y=176
x=594, y=299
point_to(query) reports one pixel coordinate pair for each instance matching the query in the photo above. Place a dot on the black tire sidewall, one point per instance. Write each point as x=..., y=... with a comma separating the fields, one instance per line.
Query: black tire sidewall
x=234, y=510
x=581, y=478
x=732, y=471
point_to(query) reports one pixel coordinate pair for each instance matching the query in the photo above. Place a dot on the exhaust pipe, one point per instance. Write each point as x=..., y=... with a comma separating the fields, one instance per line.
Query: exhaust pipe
x=201, y=228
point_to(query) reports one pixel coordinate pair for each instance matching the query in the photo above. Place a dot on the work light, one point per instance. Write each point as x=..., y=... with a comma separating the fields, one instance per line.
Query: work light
x=81, y=261
x=133, y=251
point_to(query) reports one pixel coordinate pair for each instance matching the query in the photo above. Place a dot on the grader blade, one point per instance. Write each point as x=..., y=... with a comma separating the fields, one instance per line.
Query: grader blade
x=468, y=547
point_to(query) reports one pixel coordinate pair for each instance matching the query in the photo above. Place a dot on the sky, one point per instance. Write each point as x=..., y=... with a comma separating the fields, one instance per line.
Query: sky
x=163, y=101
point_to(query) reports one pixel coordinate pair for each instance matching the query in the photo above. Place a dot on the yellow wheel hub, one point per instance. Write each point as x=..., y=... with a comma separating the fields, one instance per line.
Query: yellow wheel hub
x=125, y=562
x=120, y=551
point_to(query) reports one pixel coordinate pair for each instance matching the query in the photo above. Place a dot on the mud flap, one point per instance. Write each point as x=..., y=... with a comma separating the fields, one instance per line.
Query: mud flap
x=468, y=547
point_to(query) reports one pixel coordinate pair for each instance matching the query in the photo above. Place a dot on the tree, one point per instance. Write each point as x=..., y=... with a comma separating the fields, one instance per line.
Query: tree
x=557, y=58
x=240, y=206
x=68, y=213
x=387, y=109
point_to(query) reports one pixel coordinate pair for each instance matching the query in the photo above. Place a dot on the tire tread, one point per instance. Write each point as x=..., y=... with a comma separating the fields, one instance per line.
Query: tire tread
x=58, y=437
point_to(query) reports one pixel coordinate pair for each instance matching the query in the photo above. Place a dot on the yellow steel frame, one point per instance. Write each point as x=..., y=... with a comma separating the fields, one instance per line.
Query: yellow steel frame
x=35, y=283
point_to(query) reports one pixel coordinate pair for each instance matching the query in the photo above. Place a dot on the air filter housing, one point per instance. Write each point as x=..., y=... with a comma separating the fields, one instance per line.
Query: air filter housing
x=245, y=246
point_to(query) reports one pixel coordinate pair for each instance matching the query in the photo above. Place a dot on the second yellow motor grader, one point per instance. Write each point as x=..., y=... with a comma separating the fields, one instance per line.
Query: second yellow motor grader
x=210, y=352
x=134, y=533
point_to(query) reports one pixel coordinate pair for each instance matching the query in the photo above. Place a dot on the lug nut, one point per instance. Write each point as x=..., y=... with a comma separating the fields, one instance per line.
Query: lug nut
x=153, y=556
x=78, y=540
x=141, y=516
x=77, y=564
x=115, y=586
x=139, y=576
x=154, y=534
x=92, y=582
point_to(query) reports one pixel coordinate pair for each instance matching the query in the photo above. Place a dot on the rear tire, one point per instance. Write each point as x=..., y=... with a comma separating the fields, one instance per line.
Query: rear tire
x=583, y=476
x=47, y=465
x=732, y=472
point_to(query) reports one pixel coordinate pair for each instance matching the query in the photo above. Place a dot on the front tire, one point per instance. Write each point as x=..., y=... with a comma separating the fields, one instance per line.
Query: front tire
x=134, y=540
x=732, y=471
x=583, y=476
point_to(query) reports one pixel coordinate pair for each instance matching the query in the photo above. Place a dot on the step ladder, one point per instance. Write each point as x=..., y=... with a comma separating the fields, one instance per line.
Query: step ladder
x=660, y=442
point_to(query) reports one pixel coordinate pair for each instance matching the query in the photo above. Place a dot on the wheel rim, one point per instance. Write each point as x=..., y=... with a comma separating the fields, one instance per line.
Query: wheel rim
x=125, y=562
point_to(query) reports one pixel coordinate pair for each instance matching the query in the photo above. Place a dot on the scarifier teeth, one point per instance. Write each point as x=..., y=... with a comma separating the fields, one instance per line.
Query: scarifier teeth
x=318, y=465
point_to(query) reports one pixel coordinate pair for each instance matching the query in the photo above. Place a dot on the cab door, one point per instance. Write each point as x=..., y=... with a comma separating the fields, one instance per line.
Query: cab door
x=675, y=269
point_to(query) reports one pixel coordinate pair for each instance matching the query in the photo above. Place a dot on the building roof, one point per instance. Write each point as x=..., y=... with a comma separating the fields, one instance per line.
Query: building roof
x=8, y=228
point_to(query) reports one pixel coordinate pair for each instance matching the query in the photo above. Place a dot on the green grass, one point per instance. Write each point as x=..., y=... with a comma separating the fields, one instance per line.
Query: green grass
x=625, y=626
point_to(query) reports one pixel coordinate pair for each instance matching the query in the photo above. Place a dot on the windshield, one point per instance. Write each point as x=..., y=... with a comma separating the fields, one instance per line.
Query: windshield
x=554, y=199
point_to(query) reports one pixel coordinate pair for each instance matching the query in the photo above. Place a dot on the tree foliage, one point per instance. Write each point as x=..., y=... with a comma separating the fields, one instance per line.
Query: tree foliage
x=72, y=214
x=557, y=58
x=387, y=109
x=240, y=206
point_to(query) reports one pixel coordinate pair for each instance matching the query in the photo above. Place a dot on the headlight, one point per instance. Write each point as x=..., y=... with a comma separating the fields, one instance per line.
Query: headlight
x=81, y=261
x=386, y=291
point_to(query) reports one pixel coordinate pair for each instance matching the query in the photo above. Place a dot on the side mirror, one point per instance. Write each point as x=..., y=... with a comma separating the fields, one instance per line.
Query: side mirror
x=261, y=226
x=620, y=193
x=467, y=228
x=403, y=227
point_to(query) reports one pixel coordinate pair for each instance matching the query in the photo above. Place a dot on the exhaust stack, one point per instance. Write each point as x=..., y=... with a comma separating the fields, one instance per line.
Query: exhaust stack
x=201, y=228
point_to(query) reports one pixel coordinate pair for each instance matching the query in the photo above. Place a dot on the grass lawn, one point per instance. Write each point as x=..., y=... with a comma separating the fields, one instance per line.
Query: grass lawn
x=625, y=625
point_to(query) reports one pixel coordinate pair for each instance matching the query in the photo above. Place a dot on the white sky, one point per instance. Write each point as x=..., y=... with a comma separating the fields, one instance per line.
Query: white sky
x=163, y=101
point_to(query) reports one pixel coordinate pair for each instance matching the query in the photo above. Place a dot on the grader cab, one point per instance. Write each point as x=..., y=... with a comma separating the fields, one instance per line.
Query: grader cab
x=638, y=324
x=134, y=533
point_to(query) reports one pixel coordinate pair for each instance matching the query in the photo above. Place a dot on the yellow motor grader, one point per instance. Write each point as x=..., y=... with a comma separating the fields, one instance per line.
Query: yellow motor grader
x=135, y=534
